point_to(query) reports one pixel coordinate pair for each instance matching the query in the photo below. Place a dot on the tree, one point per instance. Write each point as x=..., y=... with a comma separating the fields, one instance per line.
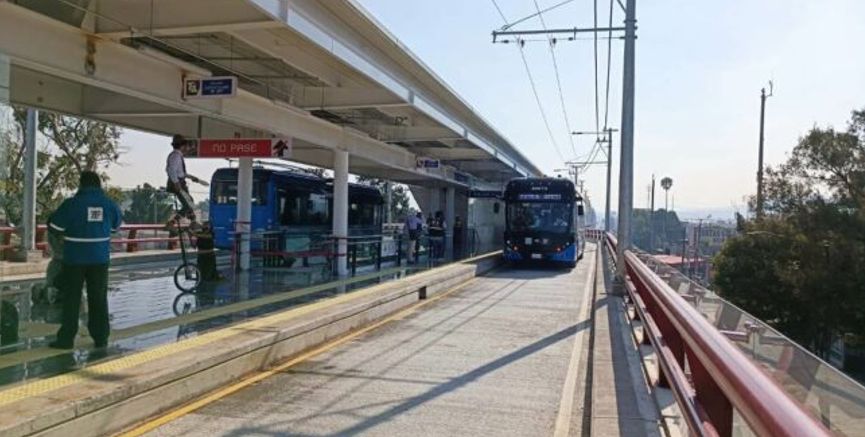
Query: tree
x=147, y=205
x=400, y=203
x=71, y=146
x=666, y=184
x=800, y=267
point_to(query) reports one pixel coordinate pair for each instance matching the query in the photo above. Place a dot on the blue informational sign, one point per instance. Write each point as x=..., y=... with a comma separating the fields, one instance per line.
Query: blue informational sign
x=210, y=87
x=428, y=163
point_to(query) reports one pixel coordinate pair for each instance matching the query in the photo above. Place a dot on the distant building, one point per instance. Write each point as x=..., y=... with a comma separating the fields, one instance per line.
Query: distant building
x=708, y=238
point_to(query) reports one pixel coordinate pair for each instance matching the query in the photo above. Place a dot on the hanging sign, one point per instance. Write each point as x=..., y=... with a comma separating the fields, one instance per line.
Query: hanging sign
x=242, y=148
x=428, y=163
x=218, y=87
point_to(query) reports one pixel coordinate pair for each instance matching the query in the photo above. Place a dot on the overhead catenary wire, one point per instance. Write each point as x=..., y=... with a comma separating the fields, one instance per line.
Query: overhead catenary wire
x=534, y=86
x=558, y=80
x=597, y=99
x=521, y=20
x=609, y=68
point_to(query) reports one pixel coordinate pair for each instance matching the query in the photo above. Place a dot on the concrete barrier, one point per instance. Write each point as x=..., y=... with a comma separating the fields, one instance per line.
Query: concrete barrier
x=109, y=397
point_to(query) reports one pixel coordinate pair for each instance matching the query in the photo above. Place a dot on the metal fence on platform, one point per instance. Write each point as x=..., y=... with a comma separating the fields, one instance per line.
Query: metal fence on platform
x=721, y=389
x=130, y=238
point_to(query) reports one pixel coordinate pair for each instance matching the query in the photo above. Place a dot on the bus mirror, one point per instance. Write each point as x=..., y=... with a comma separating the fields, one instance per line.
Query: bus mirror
x=496, y=208
x=581, y=211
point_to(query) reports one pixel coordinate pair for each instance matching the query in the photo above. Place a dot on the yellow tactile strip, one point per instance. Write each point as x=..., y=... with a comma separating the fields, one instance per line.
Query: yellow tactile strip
x=43, y=386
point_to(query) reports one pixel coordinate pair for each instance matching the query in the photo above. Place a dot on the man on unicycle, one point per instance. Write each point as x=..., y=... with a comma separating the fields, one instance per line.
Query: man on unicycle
x=177, y=176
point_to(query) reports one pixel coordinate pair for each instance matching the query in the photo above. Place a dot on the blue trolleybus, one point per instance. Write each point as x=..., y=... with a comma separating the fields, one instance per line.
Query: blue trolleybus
x=297, y=205
x=542, y=221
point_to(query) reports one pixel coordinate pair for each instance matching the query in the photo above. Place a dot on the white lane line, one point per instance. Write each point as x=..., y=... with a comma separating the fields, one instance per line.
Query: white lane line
x=566, y=405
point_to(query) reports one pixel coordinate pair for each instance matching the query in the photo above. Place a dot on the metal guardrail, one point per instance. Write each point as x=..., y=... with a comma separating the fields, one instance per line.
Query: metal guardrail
x=708, y=375
x=131, y=242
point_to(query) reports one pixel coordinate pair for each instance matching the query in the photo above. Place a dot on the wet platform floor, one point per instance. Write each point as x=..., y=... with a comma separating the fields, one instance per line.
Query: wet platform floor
x=147, y=310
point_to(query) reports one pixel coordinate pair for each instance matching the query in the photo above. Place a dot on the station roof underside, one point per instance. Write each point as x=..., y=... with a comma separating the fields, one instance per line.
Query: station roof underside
x=325, y=73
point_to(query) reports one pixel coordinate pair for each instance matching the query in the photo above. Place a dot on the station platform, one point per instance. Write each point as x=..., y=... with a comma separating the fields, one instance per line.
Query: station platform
x=467, y=348
x=505, y=354
x=147, y=310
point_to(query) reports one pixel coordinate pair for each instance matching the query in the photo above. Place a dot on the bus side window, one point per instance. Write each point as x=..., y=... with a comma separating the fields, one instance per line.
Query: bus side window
x=496, y=208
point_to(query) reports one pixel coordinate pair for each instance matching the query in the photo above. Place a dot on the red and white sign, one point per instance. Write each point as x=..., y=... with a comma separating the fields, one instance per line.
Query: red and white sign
x=243, y=148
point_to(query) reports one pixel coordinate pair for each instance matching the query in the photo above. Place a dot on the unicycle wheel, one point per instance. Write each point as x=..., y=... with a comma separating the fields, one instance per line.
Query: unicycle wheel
x=187, y=277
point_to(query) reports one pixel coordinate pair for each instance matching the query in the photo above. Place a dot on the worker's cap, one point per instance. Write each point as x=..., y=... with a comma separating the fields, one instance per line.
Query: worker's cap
x=179, y=140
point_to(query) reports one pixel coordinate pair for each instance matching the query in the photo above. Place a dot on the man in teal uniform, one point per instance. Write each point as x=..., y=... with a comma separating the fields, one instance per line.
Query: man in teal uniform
x=86, y=222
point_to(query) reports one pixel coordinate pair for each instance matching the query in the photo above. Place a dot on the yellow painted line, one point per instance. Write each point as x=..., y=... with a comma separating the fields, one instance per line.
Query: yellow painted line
x=43, y=386
x=227, y=391
x=566, y=402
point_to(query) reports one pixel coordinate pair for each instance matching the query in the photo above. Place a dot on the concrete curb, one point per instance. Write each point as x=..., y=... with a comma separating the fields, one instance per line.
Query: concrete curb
x=131, y=389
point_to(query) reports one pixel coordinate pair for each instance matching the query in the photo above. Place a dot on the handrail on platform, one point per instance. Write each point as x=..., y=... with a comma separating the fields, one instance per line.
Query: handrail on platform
x=721, y=378
x=130, y=242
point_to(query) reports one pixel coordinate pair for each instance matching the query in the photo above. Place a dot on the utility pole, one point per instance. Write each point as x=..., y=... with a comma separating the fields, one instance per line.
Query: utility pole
x=609, y=177
x=626, y=169
x=651, y=249
x=608, y=139
x=697, y=244
x=763, y=97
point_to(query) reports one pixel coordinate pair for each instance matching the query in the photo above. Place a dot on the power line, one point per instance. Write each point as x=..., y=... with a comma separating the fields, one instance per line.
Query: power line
x=540, y=106
x=508, y=26
x=597, y=99
x=558, y=80
x=609, y=68
x=501, y=14
x=534, y=87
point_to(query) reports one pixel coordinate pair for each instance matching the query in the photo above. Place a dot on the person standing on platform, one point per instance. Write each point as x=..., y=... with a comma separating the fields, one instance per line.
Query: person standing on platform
x=175, y=168
x=413, y=226
x=437, y=229
x=86, y=222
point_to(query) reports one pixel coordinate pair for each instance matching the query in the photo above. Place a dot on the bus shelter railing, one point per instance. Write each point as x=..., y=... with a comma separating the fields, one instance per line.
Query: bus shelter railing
x=283, y=248
x=708, y=375
x=129, y=239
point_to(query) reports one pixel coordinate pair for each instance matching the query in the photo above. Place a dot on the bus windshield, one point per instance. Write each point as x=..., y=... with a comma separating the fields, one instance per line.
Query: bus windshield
x=540, y=217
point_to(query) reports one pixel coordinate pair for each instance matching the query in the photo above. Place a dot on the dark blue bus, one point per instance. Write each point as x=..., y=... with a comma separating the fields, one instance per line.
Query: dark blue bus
x=542, y=221
x=297, y=204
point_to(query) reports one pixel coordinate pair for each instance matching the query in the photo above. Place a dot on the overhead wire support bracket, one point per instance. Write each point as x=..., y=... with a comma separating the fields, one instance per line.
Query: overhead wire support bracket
x=572, y=32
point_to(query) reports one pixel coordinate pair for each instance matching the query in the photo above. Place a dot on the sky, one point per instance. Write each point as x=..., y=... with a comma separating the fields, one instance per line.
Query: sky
x=700, y=68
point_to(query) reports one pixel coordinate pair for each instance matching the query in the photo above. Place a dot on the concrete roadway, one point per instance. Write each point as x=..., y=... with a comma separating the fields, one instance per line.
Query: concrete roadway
x=497, y=357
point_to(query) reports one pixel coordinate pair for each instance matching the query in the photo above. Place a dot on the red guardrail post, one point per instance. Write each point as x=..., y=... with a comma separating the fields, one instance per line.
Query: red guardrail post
x=132, y=246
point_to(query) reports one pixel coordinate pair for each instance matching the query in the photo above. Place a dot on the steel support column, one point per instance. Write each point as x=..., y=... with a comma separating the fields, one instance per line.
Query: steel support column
x=607, y=220
x=244, y=211
x=28, y=237
x=626, y=169
x=450, y=217
x=340, y=208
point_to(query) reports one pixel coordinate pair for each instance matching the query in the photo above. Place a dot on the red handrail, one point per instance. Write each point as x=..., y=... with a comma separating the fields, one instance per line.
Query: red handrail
x=723, y=378
x=130, y=242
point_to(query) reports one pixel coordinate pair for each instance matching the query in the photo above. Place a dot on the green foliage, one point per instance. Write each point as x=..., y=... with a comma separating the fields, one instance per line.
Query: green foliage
x=800, y=267
x=660, y=222
x=73, y=145
x=400, y=203
x=147, y=205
